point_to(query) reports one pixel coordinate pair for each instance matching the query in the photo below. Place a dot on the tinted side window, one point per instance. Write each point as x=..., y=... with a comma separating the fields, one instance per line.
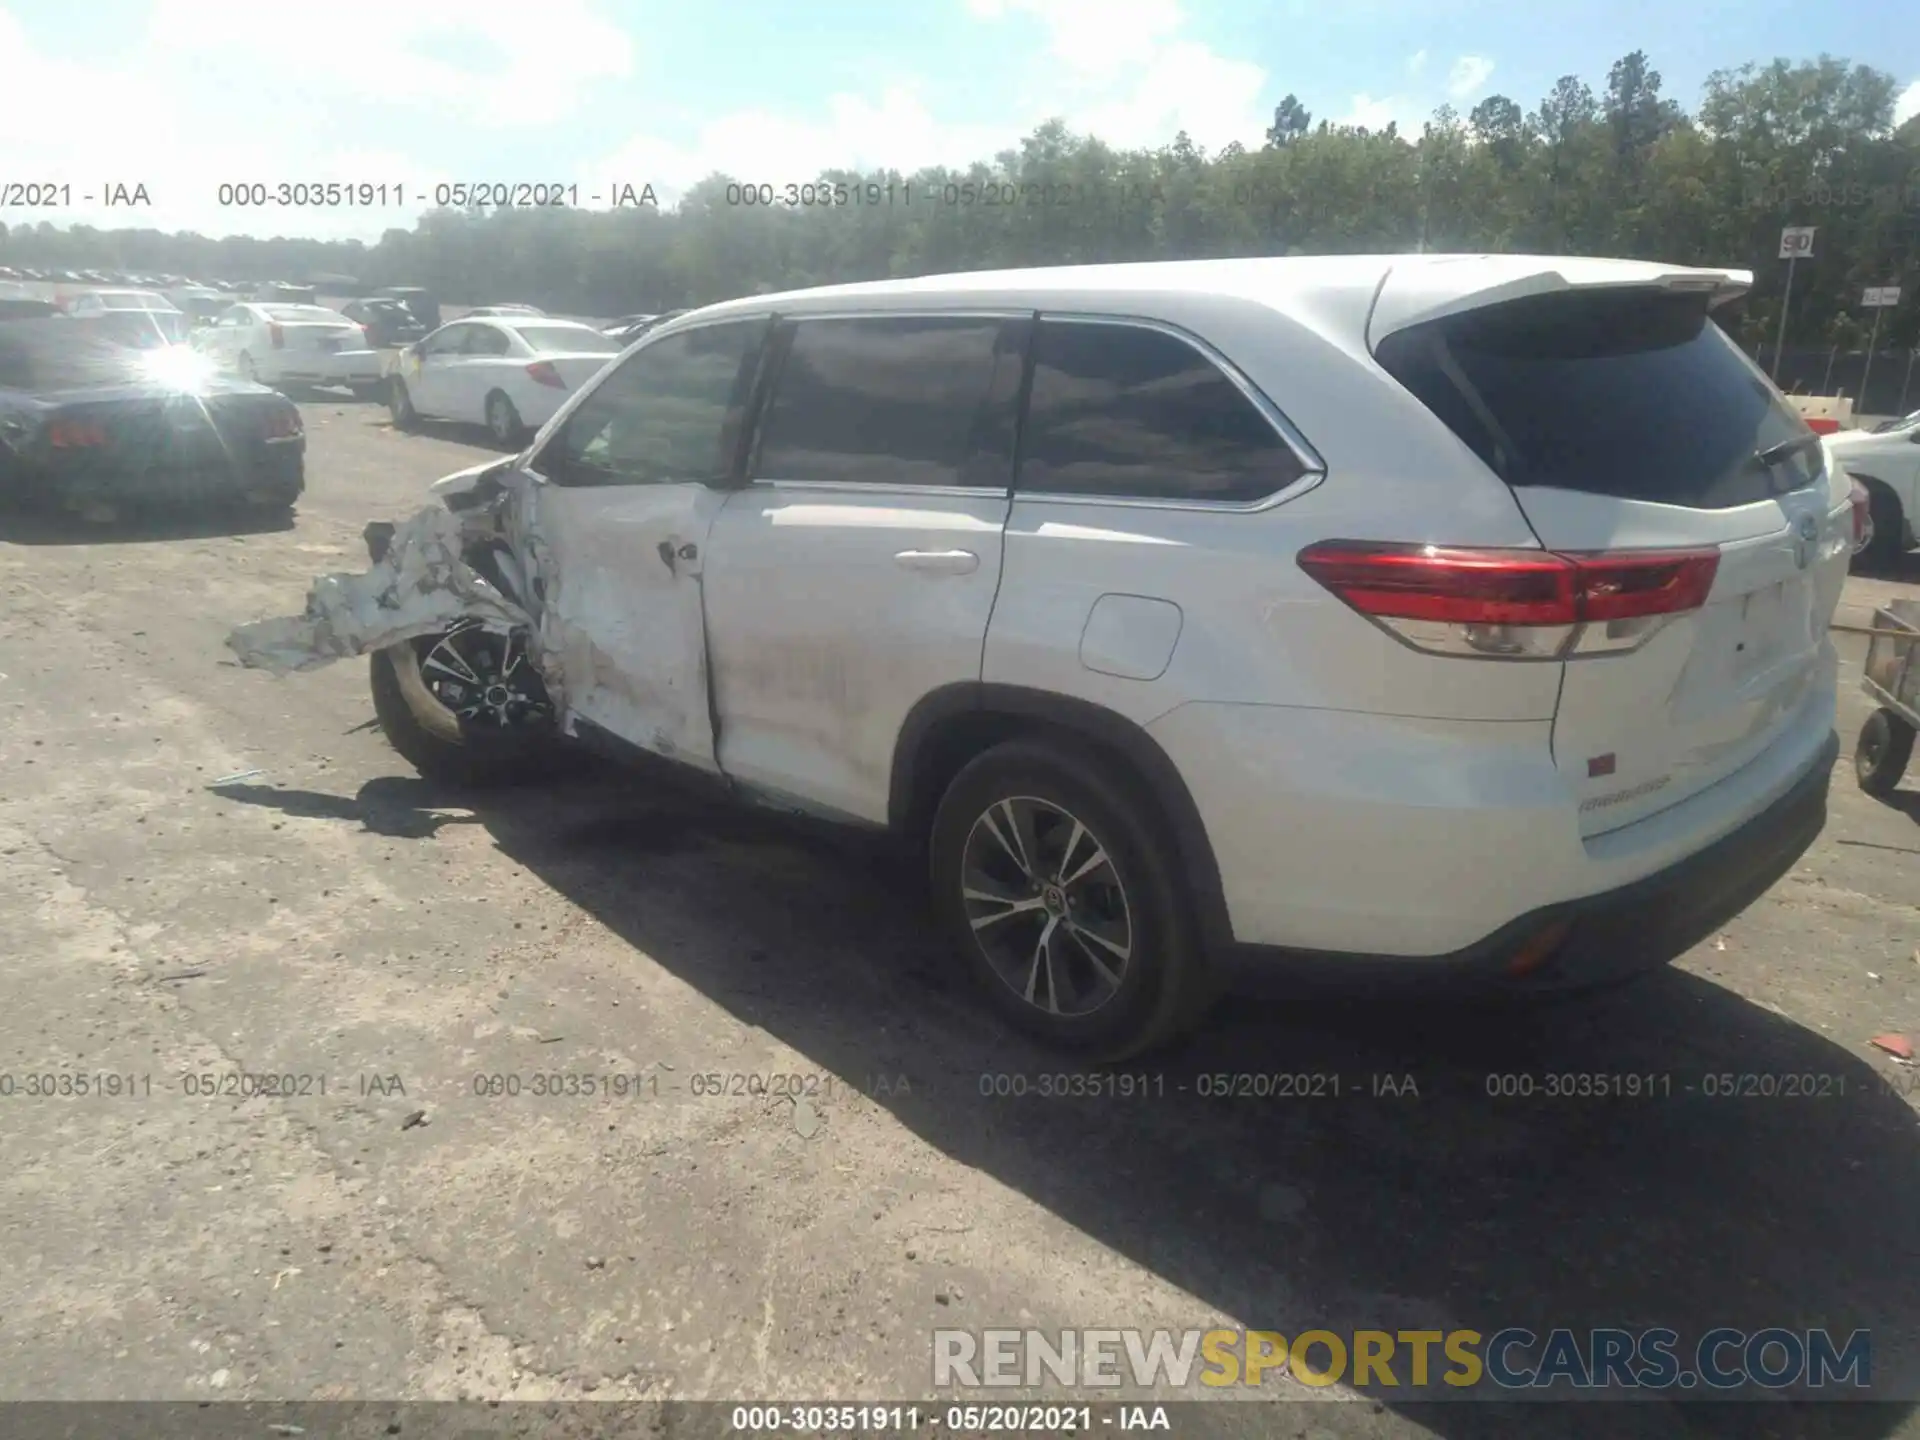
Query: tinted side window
x=670, y=413
x=908, y=400
x=1135, y=413
x=486, y=340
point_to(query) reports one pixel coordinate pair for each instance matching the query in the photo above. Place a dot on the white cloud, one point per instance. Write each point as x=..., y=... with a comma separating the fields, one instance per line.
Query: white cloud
x=1093, y=36
x=894, y=131
x=1469, y=74
x=1416, y=62
x=1374, y=114
x=1906, y=104
x=1132, y=81
x=211, y=97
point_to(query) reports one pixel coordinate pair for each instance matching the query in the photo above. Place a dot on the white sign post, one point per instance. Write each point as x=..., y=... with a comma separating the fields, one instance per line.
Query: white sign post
x=1880, y=299
x=1795, y=241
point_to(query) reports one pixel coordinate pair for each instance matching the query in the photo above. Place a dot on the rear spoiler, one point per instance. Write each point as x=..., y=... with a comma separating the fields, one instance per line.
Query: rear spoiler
x=1414, y=294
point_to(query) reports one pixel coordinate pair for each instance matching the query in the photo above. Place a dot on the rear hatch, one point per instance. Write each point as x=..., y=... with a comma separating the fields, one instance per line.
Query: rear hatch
x=1624, y=419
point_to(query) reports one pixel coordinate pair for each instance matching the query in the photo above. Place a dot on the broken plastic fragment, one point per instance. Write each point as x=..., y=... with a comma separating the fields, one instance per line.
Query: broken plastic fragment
x=421, y=585
x=1897, y=1046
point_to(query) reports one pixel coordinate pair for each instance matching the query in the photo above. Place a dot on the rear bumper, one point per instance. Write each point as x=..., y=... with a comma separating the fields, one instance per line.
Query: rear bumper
x=1616, y=933
x=348, y=367
x=272, y=474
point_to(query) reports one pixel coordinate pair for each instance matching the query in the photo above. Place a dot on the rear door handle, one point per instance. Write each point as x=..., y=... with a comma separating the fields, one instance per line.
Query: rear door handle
x=940, y=562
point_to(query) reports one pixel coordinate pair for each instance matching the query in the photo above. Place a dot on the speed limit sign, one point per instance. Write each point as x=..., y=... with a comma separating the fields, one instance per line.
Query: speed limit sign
x=1796, y=243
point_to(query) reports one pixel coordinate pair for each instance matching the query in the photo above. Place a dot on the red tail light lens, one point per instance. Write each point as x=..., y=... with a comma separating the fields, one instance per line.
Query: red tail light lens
x=276, y=337
x=1514, y=604
x=543, y=373
x=1862, y=517
x=283, y=424
x=76, y=434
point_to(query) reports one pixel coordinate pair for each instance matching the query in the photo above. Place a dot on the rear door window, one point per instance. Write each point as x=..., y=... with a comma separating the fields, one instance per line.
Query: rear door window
x=905, y=400
x=1136, y=413
x=1630, y=395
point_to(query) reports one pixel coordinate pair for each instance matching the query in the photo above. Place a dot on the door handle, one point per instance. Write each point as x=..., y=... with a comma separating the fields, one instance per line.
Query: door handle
x=939, y=562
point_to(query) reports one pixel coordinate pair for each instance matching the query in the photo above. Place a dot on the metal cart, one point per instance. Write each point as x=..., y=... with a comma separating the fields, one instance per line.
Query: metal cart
x=1885, y=745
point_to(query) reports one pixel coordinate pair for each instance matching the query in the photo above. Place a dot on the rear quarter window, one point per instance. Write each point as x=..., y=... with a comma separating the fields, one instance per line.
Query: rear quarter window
x=1631, y=395
x=1133, y=412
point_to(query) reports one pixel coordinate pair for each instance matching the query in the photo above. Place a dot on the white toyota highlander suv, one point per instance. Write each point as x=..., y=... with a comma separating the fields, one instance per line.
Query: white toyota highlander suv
x=1454, y=618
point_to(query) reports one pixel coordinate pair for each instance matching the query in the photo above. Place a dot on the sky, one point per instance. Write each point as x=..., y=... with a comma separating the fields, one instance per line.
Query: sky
x=181, y=96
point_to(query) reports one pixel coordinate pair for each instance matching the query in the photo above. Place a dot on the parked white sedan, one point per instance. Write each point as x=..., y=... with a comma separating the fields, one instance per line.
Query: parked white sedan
x=292, y=345
x=1887, y=461
x=508, y=373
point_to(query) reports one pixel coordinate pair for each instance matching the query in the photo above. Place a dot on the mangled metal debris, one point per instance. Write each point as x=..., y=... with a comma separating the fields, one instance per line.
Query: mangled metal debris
x=467, y=558
x=423, y=584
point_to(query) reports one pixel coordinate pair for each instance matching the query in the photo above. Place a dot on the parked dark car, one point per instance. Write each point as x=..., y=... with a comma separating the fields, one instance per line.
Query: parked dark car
x=86, y=423
x=26, y=307
x=388, y=322
x=425, y=308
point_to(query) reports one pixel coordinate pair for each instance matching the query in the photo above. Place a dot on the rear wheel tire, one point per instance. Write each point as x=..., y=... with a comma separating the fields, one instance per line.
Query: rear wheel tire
x=1889, y=541
x=503, y=421
x=1070, y=916
x=400, y=406
x=440, y=744
x=1881, y=753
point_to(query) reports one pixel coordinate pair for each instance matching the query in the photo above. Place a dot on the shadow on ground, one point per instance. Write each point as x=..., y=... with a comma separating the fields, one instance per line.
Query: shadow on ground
x=136, y=527
x=1446, y=1208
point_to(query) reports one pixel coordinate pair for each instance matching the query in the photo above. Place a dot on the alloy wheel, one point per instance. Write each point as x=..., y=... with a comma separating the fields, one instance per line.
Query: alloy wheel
x=484, y=678
x=1047, y=907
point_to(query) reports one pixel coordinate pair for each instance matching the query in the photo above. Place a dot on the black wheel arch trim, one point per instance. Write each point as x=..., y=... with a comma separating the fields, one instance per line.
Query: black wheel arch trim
x=909, y=811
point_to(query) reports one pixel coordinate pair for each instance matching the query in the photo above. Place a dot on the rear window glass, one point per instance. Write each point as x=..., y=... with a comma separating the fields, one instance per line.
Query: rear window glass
x=1635, y=396
x=57, y=354
x=1129, y=412
x=565, y=340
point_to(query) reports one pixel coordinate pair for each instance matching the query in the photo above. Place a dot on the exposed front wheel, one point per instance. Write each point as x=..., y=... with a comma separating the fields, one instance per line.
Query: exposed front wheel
x=466, y=707
x=400, y=406
x=1881, y=753
x=503, y=421
x=1072, y=918
x=1889, y=540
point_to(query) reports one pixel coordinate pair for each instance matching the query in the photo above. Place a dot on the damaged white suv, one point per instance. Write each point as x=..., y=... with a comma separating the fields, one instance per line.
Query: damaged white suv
x=1381, y=618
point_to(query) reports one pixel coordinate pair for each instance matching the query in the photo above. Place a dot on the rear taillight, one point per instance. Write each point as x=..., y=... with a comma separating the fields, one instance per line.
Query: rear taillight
x=76, y=434
x=1862, y=504
x=541, y=372
x=283, y=424
x=276, y=337
x=1514, y=604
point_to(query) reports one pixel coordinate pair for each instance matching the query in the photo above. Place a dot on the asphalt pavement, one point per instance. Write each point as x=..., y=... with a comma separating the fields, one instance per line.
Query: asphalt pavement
x=211, y=873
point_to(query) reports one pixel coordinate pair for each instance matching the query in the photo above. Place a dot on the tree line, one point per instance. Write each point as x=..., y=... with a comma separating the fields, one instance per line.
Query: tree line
x=1618, y=170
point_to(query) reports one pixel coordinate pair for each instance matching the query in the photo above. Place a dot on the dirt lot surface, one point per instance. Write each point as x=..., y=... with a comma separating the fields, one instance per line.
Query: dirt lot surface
x=209, y=873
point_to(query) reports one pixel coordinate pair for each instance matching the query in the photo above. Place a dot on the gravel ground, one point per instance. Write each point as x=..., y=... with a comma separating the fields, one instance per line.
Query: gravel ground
x=330, y=918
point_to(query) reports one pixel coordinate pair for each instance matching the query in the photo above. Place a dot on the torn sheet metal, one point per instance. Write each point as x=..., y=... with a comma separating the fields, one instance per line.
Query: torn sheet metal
x=422, y=584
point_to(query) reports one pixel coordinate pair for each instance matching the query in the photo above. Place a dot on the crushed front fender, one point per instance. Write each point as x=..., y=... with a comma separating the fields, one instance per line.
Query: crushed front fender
x=421, y=585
